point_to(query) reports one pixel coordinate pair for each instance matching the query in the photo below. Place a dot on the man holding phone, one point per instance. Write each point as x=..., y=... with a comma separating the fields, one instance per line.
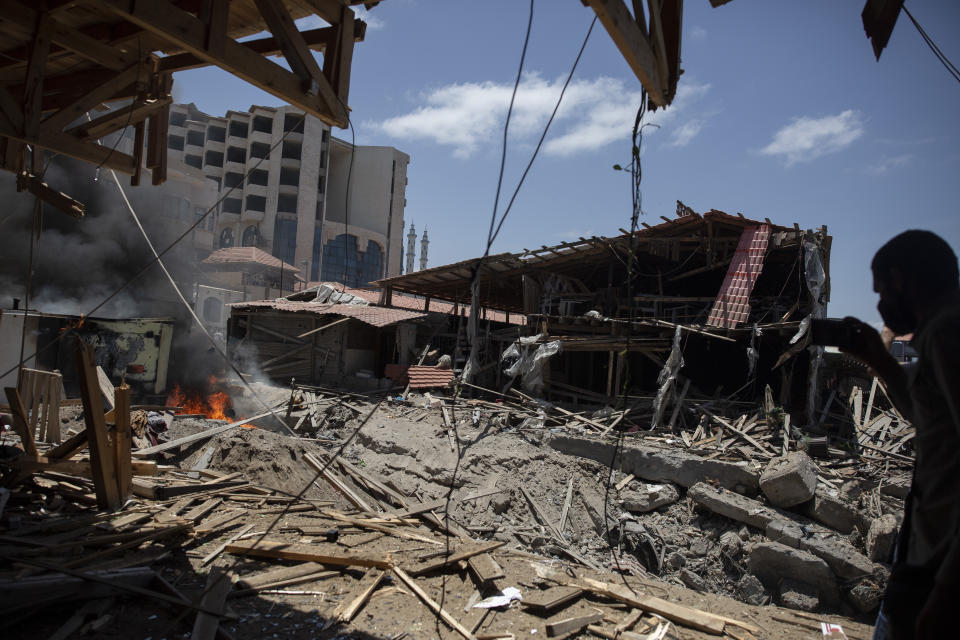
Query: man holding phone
x=916, y=276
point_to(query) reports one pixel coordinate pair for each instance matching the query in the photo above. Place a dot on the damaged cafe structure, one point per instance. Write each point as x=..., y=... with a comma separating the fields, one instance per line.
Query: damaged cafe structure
x=733, y=292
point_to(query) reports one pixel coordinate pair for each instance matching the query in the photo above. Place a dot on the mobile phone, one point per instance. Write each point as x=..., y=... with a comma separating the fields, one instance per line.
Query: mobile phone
x=831, y=332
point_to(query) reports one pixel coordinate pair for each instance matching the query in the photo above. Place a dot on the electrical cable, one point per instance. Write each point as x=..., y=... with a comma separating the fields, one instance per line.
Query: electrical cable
x=506, y=129
x=636, y=176
x=491, y=237
x=950, y=67
x=544, y=134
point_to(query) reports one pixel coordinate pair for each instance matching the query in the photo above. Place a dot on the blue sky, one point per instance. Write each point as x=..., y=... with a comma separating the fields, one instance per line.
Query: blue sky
x=782, y=112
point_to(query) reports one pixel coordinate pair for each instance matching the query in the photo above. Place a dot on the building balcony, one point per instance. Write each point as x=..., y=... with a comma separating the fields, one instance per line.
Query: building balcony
x=235, y=167
x=261, y=136
x=290, y=163
x=250, y=216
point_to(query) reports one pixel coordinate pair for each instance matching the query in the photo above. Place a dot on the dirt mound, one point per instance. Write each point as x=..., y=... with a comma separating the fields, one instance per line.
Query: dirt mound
x=267, y=459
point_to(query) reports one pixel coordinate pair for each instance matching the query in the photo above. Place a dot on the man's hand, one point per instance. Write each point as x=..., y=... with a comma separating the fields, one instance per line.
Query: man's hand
x=866, y=345
x=936, y=619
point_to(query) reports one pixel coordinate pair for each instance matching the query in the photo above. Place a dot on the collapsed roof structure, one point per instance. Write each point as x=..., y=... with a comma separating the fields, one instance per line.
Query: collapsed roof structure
x=736, y=288
x=67, y=61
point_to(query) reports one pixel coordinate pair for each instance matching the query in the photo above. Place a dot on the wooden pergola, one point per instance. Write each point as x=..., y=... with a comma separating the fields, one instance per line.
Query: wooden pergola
x=60, y=60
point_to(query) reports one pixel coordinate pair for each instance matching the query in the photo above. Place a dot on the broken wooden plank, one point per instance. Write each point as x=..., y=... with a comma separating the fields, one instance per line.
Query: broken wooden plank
x=214, y=597
x=485, y=567
x=540, y=515
x=566, y=506
x=325, y=553
x=434, y=606
x=203, y=435
x=284, y=575
x=122, y=440
x=210, y=557
x=337, y=483
x=463, y=553
x=101, y=453
x=620, y=485
x=358, y=597
x=551, y=598
x=20, y=421
x=569, y=625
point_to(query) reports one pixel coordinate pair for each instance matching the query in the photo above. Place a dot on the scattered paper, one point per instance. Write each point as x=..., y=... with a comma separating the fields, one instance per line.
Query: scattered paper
x=502, y=599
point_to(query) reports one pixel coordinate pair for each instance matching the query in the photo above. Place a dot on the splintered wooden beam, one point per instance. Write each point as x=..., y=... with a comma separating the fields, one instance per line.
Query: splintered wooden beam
x=189, y=33
x=358, y=596
x=102, y=465
x=326, y=553
x=294, y=47
x=317, y=39
x=338, y=60
x=432, y=604
x=99, y=94
x=22, y=18
x=633, y=44
x=117, y=119
x=63, y=202
x=20, y=421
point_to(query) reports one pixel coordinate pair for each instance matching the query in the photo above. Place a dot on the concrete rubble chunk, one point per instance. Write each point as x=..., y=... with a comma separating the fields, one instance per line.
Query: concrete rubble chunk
x=692, y=580
x=772, y=561
x=840, y=555
x=649, y=497
x=751, y=590
x=799, y=595
x=732, y=505
x=789, y=480
x=880, y=537
x=831, y=510
x=661, y=465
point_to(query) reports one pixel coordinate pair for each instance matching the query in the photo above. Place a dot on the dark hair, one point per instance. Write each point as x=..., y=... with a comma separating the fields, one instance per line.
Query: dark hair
x=924, y=258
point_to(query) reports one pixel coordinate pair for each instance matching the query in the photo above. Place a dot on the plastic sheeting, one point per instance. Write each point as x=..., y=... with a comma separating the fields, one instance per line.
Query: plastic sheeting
x=668, y=377
x=528, y=362
x=816, y=278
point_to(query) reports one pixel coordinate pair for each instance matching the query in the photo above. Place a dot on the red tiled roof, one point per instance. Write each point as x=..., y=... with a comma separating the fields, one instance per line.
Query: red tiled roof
x=373, y=316
x=429, y=377
x=733, y=302
x=401, y=301
x=248, y=255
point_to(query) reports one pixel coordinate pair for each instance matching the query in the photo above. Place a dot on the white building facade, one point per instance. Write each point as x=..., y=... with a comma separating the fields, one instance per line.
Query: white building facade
x=294, y=203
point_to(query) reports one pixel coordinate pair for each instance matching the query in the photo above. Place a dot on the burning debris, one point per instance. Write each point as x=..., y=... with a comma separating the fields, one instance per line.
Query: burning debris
x=211, y=401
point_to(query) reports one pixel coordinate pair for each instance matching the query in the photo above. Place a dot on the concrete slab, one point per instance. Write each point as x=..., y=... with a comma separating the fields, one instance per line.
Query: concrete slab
x=831, y=510
x=662, y=465
x=732, y=505
x=771, y=562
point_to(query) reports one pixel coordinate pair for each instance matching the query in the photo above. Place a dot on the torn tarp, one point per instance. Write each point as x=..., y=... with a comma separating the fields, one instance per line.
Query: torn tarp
x=668, y=377
x=528, y=362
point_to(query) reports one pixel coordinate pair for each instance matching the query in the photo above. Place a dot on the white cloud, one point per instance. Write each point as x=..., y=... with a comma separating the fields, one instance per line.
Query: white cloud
x=686, y=132
x=594, y=113
x=887, y=163
x=698, y=33
x=374, y=22
x=806, y=138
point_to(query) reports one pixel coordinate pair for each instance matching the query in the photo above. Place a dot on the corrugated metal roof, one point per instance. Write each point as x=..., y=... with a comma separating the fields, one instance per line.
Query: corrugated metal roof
x=247, y=255
x=401, y=301
x=373, y=316
x=429, y=377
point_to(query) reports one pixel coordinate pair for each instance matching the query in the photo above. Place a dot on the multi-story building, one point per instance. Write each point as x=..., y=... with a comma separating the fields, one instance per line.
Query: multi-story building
x=283, y=180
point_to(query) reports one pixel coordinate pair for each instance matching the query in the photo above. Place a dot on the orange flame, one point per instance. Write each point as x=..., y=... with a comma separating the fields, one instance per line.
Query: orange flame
x=212, y=405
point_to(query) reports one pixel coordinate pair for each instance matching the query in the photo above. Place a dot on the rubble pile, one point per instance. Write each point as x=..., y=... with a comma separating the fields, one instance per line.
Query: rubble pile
x=741, y=525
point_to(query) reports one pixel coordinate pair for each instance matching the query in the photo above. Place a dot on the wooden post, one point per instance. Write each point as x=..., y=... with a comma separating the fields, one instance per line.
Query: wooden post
x=122, y=439
x=101, y=461
x=20, y=421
